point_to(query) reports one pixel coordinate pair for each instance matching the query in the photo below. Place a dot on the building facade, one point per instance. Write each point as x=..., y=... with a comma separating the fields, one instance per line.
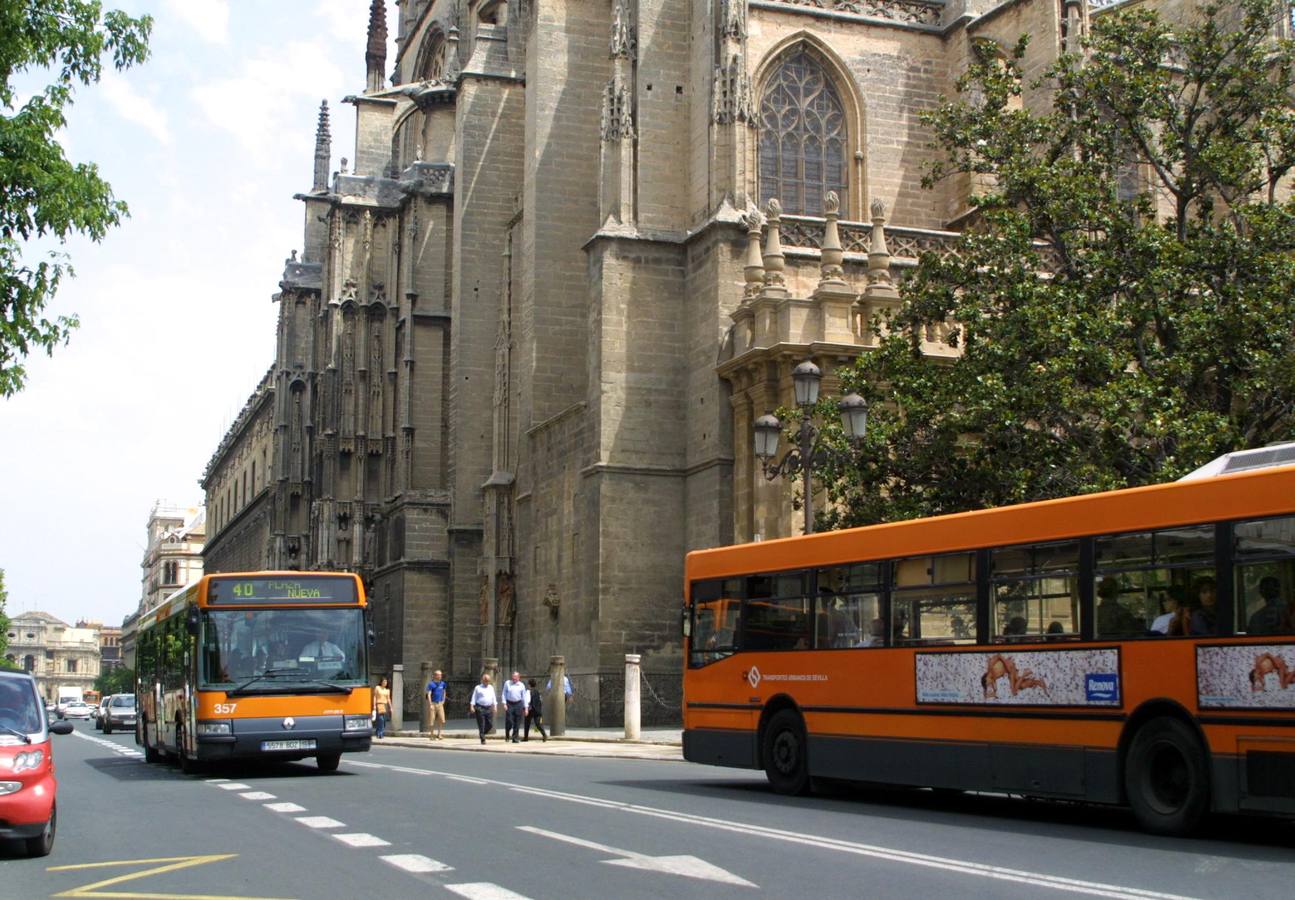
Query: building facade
x=109, y=644
x=172, y=559
x=56, y=654
x=578, y=248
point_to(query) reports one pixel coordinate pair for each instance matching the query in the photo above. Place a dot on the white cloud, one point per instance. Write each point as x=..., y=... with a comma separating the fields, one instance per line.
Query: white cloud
x=134, y=107
x=210, y=18
x=270, y=88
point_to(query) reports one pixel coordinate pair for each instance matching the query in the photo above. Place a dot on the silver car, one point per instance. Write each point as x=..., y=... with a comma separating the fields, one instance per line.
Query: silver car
x=119, y=713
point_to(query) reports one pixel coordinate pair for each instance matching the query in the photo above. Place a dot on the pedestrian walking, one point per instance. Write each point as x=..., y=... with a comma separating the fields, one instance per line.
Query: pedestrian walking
x=436, y=707
x=534, y=713
x=515, y=698
x=566, y=686
x=483, y=705
x=381, y=708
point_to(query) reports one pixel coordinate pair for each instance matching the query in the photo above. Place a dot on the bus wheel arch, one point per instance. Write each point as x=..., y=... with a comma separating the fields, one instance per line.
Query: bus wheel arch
x=783, y=745
x=1164, y=768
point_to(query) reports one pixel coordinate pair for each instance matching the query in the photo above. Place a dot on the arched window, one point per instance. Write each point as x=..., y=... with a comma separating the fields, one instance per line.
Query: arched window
x=803, y=135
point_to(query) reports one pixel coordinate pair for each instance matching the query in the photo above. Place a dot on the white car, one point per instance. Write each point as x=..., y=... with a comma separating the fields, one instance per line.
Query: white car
x=76, y=710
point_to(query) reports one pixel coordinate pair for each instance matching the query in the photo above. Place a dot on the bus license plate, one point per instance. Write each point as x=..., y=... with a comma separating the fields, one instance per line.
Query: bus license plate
x=308, y=744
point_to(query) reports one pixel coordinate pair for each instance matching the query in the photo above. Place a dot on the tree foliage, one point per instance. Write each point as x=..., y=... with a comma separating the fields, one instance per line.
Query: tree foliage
x=4, y=623
x=119, y=680
x=42, y=193
x=1110, y=332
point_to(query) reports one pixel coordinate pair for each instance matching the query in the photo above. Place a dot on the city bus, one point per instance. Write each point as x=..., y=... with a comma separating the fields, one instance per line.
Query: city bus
x=1132, y=647
x=259, y=665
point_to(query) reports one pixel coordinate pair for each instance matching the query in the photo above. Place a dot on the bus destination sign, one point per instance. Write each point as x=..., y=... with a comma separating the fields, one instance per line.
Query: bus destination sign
x=235, y=590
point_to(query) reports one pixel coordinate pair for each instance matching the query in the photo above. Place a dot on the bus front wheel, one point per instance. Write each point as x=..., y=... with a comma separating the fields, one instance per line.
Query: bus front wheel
x=1166, y=776
x=785, y=760
x=151, y=754
x=327, y=762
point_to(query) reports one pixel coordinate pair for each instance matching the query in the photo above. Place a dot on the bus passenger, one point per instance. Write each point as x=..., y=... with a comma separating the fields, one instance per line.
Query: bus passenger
x=1204, y=615
x=1113, y=619
x=1268, y=618
x=1015, y=627
x=1170, y=604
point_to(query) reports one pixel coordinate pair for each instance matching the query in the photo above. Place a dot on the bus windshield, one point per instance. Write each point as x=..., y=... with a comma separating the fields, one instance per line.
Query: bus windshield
x=273, y=650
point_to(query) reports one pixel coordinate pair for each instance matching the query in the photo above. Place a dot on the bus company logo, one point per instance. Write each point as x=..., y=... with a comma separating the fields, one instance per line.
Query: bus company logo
x=753, y=677
x=1102, y=687
x=290, y=723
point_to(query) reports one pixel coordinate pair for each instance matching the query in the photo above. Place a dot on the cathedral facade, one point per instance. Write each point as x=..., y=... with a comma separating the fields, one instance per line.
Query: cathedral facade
x=578, y=248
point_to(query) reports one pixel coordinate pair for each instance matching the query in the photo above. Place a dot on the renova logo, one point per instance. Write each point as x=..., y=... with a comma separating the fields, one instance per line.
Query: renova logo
x=290, y=723
x=753, y=677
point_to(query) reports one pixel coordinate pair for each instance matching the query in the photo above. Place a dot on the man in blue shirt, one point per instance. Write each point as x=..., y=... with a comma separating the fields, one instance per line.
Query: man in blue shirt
x=515, y=698
x=436, y=707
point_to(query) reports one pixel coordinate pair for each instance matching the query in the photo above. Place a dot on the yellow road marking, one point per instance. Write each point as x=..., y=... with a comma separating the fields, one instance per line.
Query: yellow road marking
x=173, y=863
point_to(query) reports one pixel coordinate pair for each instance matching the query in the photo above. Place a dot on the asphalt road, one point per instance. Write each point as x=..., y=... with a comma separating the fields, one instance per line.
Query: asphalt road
x=401, y=822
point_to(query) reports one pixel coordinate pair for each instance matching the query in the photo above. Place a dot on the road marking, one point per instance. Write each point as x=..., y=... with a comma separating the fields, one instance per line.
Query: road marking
x=320, y=822
x=361, y=839
x=466, y=780
x=173, y=863
x=412, y=862
x=484, y=890
x=964, y=867
x=119, y=749
x=687, y=866
x=214, y=780
x=258, y=795
x=234, y=786
x=285, y=807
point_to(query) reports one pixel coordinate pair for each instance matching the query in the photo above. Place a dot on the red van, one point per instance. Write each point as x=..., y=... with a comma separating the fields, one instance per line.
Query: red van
x=28, y=790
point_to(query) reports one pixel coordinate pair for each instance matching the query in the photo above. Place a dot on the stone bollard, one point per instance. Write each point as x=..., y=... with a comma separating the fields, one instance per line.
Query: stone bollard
x=397, y=697
x=557, y=699
x=424, y=707
x=632, y=696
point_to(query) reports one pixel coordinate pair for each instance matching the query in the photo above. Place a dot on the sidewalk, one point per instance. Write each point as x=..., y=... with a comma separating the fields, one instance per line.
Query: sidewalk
x=461, y=734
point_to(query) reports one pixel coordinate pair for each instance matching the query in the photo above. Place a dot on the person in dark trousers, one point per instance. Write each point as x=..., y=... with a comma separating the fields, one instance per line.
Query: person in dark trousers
x=515, y=699
x=534, y=713
x=483, y=705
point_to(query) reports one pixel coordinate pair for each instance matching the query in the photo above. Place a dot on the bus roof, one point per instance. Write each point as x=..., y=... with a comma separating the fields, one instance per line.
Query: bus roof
x=1248, y=494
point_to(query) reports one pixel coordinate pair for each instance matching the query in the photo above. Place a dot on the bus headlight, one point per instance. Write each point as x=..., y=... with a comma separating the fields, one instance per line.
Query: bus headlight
x=29, y=760
x=216, y=726
x=357, y=723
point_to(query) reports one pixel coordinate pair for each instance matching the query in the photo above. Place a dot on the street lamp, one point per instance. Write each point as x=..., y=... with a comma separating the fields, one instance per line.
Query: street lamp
x=807, y=453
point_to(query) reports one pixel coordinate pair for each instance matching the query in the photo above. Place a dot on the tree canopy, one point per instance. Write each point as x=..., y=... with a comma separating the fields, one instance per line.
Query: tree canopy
x=4, y=623
x=119, y=680
x=42, y=193
x=1124, y=306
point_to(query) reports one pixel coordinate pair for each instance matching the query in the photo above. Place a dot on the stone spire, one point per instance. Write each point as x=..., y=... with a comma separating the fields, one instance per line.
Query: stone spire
x=323, y=149
x=375, y=54
x=754, y=268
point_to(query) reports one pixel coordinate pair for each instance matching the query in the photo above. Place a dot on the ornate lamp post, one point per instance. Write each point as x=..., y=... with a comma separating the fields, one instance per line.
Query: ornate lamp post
x=807, y=453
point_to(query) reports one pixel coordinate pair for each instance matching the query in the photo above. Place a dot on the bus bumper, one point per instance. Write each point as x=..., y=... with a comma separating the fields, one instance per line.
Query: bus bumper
x=283, y=738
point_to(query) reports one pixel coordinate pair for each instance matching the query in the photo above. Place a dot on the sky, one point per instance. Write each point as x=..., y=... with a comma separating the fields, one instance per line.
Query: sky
x=206, y=141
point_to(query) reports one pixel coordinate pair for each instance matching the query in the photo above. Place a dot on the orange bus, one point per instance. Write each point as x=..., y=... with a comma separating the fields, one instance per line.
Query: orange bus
x=1132, y=647
x=260, y=665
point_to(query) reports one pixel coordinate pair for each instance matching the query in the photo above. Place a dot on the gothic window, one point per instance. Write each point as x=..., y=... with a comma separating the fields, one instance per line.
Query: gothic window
x=802, y=136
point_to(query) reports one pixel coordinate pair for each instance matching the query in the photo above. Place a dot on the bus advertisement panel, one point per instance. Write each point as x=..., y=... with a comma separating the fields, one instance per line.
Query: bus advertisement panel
x=266, y=665
x=1132, y=647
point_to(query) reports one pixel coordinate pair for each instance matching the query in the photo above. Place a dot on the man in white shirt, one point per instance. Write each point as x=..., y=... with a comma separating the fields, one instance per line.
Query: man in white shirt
x=482, y=705
x=515, y=698
x=326, y=655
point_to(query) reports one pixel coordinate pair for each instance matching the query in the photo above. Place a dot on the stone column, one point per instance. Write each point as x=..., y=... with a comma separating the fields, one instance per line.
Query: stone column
x=397, y=697
x=490, y=666
x=632, y=711
x=425, y=708
x=557, y=699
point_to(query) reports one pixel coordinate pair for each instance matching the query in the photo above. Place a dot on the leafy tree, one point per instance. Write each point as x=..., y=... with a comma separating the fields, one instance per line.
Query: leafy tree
x=42, y=194
x=4, y=625
x=1105, y=336
x=119, y=680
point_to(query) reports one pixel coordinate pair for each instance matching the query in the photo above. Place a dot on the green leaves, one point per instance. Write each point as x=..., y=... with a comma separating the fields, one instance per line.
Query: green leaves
x=1124, y=305
x=42, y=193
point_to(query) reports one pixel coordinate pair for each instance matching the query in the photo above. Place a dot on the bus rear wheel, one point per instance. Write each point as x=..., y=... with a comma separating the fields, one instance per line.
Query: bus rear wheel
x=328, y=762
x=1166, y=776
x=785, y=760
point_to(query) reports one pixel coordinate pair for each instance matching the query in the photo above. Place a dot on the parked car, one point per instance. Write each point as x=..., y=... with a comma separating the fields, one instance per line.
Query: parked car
x=98, y=712
x=77, y=710
x=28, y=789
x=119, y=712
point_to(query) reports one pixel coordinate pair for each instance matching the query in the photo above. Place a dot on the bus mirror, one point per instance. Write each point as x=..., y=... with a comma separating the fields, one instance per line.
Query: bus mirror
x=685, y=622
x=191, y=620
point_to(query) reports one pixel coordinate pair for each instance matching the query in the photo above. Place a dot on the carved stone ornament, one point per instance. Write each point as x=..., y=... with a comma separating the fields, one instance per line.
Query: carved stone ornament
x=624, y=43
x=909, y=12
x=732, y=98
x=733, y=19
x=618, y=113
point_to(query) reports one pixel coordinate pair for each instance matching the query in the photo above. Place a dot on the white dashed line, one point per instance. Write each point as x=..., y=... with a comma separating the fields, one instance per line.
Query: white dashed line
x=412, y=862
x=362, y=840
x=320, y=822
x=465, y=779
x=234, y=786
x=258, y=795
x=484, y=890
x=285, y=807
x=215, y=780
